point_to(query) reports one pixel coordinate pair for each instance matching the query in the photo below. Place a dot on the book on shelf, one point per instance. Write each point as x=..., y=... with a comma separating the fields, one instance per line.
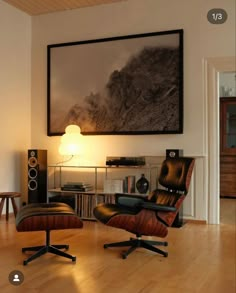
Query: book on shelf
x=129, y=184
x=77, y=186
x=113, y=185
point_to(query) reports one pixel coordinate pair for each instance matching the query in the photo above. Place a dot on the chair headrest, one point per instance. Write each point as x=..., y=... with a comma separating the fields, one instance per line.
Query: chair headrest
x=176, y=173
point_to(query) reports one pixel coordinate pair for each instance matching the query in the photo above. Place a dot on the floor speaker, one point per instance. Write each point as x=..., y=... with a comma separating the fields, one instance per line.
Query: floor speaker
x=37, y=176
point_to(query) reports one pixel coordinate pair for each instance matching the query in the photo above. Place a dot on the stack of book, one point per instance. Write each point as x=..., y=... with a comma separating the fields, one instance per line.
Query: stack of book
x=77, y=186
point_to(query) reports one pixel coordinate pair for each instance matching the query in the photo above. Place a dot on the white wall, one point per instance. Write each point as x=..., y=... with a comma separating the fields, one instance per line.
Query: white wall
x=15, y=94
x=201, y=40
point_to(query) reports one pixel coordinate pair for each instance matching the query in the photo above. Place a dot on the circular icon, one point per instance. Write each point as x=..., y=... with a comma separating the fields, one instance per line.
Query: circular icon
x=16, y=278
x=217, y=16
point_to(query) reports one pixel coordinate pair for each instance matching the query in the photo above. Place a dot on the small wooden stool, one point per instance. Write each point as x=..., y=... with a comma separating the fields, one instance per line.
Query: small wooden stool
x=7, y=196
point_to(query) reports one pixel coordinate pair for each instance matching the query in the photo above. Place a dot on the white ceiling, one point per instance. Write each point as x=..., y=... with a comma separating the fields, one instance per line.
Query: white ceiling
x=37, y=7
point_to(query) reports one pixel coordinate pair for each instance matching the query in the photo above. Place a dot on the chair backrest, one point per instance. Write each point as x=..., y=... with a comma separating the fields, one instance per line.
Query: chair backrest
x=175, y=173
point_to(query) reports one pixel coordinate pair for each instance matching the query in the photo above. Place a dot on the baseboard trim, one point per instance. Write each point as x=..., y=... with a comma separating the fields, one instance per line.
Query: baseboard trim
x=193, y=221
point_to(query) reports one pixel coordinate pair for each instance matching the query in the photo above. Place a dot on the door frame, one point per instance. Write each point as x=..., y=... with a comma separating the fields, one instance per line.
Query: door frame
x=212, y=68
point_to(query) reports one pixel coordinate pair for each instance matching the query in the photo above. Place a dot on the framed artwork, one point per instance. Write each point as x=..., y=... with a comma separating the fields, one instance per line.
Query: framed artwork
x=121, y=85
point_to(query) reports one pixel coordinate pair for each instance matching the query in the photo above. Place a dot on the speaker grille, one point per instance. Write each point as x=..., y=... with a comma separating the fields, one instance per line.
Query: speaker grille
x=32, y=185
x=32, y=162
x=32, y=173
x=174, y=153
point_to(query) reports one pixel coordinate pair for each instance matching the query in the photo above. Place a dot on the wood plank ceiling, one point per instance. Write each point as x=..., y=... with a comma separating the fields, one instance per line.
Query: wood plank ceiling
x=37, y=7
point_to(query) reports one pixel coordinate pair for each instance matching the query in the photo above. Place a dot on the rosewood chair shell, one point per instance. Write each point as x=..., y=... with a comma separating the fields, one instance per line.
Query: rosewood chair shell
x=151, y=215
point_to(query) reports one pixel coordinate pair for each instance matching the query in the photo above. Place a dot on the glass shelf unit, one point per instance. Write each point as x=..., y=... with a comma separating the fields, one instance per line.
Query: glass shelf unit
x=97, y=177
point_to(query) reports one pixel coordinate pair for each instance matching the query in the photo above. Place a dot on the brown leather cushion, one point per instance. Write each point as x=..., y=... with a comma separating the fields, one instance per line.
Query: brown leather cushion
x=47, y=216
x=163, y=197
x=104, y=212
x=175, y=173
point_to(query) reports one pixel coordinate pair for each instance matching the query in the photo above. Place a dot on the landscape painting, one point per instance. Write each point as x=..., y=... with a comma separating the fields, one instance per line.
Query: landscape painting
x=121, y=85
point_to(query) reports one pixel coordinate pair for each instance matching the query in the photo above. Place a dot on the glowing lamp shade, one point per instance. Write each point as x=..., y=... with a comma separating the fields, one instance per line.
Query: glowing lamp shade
x=70, y=141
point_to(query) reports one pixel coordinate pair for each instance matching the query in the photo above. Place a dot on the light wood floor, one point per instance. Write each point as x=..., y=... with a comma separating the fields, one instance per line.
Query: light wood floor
x=202, y=258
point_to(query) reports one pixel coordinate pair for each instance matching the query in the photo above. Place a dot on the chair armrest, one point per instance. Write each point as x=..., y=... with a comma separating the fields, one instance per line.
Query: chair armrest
x=157, y=207
x=129, y=200
x=140, y=201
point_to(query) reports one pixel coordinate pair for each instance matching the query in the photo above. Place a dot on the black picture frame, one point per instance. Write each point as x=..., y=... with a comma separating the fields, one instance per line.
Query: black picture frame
x=121, y=85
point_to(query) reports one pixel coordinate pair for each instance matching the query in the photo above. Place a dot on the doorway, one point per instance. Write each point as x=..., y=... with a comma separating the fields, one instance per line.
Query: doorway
x=228, y=211
x=228, y=147
x=227, y=109
x=212, y=68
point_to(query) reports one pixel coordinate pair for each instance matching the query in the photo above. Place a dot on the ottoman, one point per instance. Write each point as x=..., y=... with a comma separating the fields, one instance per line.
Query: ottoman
x=47, y=217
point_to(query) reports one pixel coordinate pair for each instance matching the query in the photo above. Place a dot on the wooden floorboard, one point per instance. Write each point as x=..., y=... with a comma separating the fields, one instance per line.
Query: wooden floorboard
x=202, y=258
